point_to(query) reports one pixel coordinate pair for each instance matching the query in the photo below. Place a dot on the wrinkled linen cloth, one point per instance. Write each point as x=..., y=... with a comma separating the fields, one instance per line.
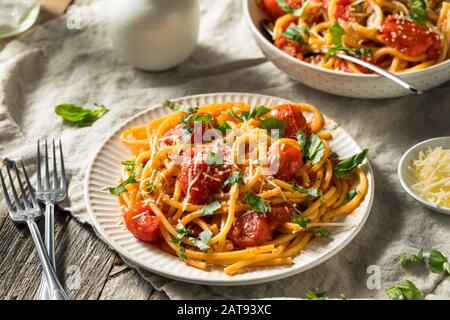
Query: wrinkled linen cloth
x=54, y=64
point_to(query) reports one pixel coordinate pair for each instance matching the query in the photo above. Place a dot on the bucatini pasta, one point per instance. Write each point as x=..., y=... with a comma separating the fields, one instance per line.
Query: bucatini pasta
x=401, y=35
x=236, y=186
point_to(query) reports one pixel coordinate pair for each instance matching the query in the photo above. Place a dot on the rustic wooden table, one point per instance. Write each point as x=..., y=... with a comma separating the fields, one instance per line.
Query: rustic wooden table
x=87, y=267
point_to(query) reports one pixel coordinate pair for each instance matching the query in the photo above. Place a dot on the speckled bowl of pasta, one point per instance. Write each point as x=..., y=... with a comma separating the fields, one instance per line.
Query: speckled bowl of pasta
x=409, y=38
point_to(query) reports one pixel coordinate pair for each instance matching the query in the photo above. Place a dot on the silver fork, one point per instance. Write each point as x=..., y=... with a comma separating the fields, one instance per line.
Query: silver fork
x=50, y=193
x=27, y=211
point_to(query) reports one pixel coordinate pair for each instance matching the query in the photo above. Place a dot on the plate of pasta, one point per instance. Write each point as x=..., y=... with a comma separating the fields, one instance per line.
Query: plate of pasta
x=229, y=188
x=407, y=37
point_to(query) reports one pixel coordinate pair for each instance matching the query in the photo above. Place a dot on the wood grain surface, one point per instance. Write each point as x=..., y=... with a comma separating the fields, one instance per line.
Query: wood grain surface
x=87, y=268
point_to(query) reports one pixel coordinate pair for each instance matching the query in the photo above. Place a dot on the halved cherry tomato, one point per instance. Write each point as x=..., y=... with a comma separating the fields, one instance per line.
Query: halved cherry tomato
x=203, y=179
x=250, y=230
x=292, y=117
x=343, y=10
x=278, y=215
x=272, y=8
x=289, y=160
x=411, y=38
x=142, y=223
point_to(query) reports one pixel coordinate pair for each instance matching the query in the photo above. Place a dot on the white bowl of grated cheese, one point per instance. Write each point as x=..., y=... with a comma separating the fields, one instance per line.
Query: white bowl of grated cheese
x=424, y=172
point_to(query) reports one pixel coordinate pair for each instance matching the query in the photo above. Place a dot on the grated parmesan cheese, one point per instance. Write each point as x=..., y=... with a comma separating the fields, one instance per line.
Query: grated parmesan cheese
x=432, y=171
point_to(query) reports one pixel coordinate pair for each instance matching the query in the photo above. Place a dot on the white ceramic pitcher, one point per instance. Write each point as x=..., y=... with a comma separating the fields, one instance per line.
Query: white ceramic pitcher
x=154, y=35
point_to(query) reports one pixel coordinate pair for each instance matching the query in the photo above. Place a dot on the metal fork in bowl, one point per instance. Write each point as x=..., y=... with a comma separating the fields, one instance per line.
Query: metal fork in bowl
x=49, y=192
x=25, y=209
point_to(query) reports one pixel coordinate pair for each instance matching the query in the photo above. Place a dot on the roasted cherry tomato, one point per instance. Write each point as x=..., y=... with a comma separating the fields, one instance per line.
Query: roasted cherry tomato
x=200, y=180
x=411, y=38
x=142, y=223
x=173, y=135
x=272, y=8
x=250, y=230
x=292, y=117
x=286, y=160
x=343, y=10
x=198, y=129
x=278, y=215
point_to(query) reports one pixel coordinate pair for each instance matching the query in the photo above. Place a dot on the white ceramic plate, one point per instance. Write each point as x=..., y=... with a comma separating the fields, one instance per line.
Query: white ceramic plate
x=107, y=219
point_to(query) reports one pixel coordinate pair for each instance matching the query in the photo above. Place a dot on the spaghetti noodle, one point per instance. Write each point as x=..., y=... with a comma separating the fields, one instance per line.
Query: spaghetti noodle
x=399, y=35
x=236, y=186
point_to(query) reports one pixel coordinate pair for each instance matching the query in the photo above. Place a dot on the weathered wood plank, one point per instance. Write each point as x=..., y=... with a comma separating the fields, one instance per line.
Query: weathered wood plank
x=126, y=284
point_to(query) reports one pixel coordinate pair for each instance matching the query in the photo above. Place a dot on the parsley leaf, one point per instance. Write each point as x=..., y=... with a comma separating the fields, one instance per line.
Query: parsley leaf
x=121, y=187
x=235, y=177
x=418, y=11
x=179, y=107
x=346, y=166
x=336, y=33
x=311, y=295
x=255, y=202
x=296, y=33
x=351, y=194
x=404, y=291
x=438, y=263
x=406, y=261
x=210, y=208
x=274, y=124
x=296, y=218
x=129, y=164
x=78, y=116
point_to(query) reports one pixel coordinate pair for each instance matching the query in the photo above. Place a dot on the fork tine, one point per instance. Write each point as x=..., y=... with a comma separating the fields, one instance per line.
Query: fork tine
x=38, y=167
x=5, y=192
x=55, y=168
x=16, y=197
x=47, y=174
x=22, y=190
x=29, y=186
x=63, y=170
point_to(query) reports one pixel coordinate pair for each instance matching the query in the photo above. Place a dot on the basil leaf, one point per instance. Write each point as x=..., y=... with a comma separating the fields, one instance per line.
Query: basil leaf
x=358, y=8
x=129, y=164
x=274, y=124
x=213, y=160
x=284, y=6
x=302, y=141
x=205, y=237
x=235, y=177
x=261, y=110
x=223, y=126
x=175, y=106
x=346, y=166
x=150, y=187
x=295, y=33
x=336, y=33
x=300, y=11
x=438, y=263
x=407, y=261
x=300, y=220
x=200, y=118
x=351, y=194
x=121, y=187
x=404, y=291
x=315, y=149
x=311, y=295
x=187, y=129
x=255, y=202
x=418, y=11
x=334, y=156
x=313, y=192
x=210, y=208
x=182, y=232
x=321, y=232
x=234, y=115
x=182, y=255
x=254, y=112
x=79, y=116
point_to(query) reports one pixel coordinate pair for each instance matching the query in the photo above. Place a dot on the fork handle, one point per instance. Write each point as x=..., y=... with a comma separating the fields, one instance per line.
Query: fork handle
x=55, y=289
x=50, y=245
